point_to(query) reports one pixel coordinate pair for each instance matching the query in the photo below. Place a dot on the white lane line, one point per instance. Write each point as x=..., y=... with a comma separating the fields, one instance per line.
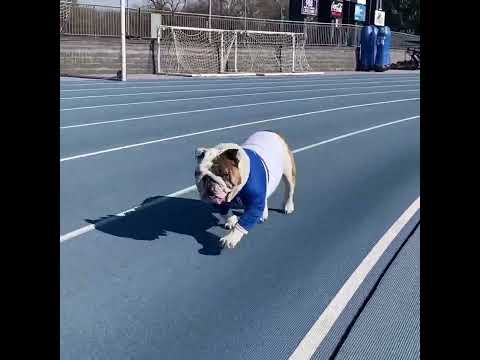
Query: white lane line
x=235, y=95
x=156, y=86
x=354, y=133
x=212, y=90
x=229, y=107
x=88, y=228
x=231, y=127
x=65, y=79
x=322, y=326
x=185, y=85
x=121, y=85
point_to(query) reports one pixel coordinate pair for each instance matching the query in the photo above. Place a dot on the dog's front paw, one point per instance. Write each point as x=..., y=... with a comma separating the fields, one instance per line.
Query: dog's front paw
x=289, y=208
x=231, y=222
x=264, y=215
x=231, y=239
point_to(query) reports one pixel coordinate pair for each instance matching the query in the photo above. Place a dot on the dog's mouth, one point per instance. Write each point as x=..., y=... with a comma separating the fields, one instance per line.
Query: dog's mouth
x=217, y=197
x=216, y=200
x=214, y=193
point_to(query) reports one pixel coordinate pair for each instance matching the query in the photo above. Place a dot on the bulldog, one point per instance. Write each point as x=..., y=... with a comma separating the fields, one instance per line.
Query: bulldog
x=245, y=175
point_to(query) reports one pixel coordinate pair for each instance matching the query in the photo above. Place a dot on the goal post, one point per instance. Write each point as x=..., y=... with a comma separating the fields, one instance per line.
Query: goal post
x=188, y=50
x=65, y=11
x=123, y=41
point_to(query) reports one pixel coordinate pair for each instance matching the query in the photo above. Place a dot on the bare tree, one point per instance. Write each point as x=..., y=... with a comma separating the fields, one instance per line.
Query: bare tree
x=403, y=15
x=230, y=7
x=283, y=8
x=197, y=7
x=267, y=9
x=169, y=5
x=237, y=7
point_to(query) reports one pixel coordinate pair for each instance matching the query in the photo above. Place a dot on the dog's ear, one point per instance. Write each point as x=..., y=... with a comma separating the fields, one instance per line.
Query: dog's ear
x=231, y=154
x=200, y=153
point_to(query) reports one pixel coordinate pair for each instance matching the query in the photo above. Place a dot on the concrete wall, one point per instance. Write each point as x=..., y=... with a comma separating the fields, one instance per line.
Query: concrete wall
x=330, y=58
x=90, y=55
x=86, y=55
x=397, y=55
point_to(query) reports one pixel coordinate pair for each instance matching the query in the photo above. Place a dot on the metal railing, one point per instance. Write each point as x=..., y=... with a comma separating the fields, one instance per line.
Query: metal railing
x=97, y=20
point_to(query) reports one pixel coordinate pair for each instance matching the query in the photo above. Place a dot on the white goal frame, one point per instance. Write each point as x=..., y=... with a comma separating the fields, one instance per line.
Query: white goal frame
x=296, y=47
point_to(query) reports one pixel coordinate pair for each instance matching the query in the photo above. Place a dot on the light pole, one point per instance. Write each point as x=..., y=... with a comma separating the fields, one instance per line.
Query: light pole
x=378, y=6
x=281, y=8
x=210, y=20
x=124, y=45
x=281, y=13
x=370, y=11
x=245, y=13
x=210, y=14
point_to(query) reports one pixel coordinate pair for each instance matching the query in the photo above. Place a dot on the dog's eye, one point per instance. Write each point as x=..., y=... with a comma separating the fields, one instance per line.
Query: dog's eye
x=200, y=153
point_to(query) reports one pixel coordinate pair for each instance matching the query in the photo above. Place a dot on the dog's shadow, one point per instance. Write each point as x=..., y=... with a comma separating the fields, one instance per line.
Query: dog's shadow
x=158, y=215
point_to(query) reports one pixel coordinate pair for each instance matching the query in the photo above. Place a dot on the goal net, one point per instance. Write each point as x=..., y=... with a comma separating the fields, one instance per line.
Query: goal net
x=196, y=50
x=65, y=10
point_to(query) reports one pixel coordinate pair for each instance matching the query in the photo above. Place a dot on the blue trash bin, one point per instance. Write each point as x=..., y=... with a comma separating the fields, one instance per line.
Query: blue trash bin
x=368, y=47
x=388, y=46
x=383, y=44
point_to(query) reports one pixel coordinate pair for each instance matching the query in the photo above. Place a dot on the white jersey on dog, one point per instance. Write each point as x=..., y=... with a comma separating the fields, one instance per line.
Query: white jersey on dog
x=270, y=147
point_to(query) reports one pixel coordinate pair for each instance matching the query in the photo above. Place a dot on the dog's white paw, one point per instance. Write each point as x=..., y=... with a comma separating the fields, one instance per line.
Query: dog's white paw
x=289, y=208
x=231, y=239
x=231, y=222
x=264, y=215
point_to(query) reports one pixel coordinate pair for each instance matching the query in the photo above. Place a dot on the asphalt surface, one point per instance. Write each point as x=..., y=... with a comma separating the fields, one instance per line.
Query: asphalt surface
x=153, y=284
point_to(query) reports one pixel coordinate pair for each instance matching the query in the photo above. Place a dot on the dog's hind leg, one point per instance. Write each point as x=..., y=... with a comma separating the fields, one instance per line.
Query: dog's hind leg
x=289, y=179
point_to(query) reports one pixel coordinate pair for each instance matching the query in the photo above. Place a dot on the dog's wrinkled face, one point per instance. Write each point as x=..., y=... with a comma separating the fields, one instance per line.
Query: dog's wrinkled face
x=216, y=174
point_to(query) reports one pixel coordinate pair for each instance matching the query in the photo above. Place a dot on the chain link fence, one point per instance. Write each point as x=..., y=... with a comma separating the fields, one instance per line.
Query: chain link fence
x=99, y=20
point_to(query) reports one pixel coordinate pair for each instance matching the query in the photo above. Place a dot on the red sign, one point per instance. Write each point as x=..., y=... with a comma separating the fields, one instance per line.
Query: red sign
x=336, y=9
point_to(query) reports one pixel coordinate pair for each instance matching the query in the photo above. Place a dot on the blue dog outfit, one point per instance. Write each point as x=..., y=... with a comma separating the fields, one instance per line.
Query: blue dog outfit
x=266, y=152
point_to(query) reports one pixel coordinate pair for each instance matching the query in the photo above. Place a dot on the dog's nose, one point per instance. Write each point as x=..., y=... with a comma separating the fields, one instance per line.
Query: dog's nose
x=197, y=173
x=210, y=191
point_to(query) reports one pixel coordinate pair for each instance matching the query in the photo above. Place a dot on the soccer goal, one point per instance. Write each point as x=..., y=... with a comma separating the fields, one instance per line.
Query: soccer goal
x=65, y=10
x=185, y=50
